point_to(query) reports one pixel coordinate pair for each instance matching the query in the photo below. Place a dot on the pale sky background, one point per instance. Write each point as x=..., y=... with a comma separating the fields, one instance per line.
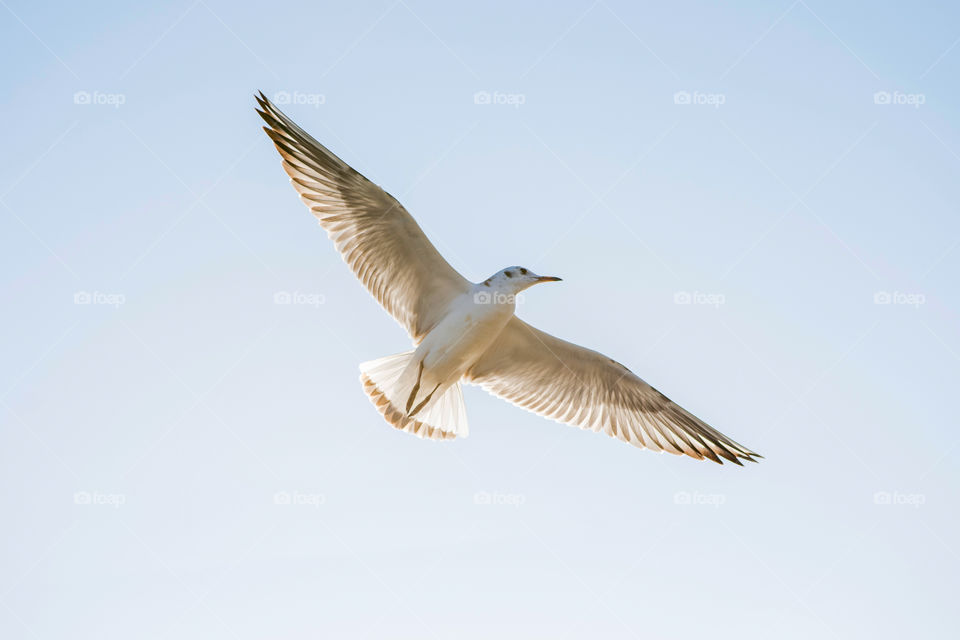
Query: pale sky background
x=151, y=437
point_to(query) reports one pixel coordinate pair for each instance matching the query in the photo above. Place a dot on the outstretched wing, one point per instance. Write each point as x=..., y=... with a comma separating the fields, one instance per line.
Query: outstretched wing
x=574, y=385
x=382, y=243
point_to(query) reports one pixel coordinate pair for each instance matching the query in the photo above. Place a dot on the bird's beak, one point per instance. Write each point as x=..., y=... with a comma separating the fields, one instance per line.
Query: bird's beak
x=548, y=279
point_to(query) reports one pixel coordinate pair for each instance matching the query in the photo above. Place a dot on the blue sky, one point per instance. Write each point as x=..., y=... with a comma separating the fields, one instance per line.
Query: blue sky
x=754, y=207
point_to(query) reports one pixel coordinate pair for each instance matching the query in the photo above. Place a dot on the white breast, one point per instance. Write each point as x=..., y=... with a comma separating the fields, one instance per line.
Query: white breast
x=471, y=325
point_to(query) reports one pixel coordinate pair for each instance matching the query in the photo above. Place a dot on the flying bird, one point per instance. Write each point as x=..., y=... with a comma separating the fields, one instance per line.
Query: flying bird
x=468, y=332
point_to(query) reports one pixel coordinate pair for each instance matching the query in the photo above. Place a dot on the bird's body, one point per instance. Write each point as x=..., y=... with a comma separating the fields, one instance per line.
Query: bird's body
x=466, y=329
x=469, y=327
x=468, y=332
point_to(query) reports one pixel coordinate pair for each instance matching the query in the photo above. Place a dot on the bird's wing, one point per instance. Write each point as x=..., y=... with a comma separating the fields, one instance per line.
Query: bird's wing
x=382, y=243
x=574, y=385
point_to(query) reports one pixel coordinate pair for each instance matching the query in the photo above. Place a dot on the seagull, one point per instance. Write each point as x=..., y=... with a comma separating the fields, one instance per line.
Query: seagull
x=465, y=332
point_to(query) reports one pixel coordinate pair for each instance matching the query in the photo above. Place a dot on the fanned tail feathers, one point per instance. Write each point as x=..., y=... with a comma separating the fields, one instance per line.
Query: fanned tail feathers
x=384, y=382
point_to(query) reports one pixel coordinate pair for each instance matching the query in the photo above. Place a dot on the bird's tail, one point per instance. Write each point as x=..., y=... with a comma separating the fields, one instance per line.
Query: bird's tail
x=391, y=383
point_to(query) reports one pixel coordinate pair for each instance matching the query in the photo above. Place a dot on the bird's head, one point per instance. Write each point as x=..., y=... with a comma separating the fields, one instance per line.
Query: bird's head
x=516, y=279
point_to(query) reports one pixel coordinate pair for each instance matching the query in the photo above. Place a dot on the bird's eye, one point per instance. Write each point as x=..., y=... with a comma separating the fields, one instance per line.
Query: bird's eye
x=509, y=274
x=523, y=271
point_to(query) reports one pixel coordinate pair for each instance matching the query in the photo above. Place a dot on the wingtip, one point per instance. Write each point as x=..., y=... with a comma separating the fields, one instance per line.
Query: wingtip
x=735, y=459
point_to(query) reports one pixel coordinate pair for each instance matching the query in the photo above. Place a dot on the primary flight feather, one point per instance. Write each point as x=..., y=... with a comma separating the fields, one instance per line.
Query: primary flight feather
x=467, y=332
